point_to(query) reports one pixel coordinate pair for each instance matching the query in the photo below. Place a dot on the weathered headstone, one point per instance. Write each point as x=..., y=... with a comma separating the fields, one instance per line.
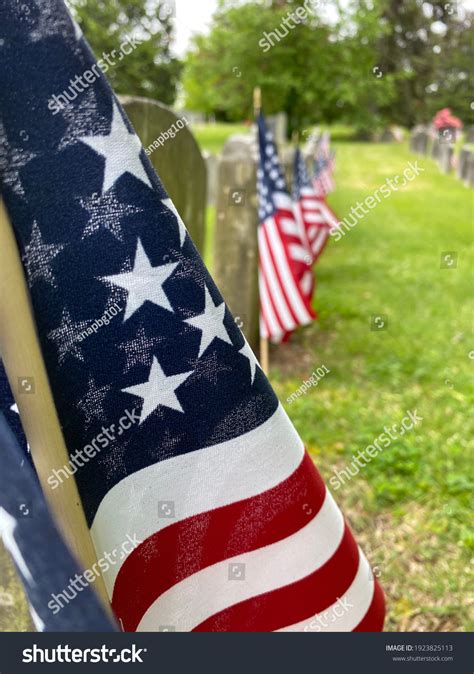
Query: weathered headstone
x=288, y=160
x=176, y=158
x=470, y=134
x=387, y=136
x=236, y=246
x=445, y=158
x=212, y=162
x=461, y=169
x=469, y=177
x=419, y=139
x=278, y=125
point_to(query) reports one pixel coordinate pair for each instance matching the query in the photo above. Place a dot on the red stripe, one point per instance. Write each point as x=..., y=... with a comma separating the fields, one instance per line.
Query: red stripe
x=271, y=301
x=296, y=269
x=186, y=547
x=277, y=273
x=295, y=602
x=375, y=616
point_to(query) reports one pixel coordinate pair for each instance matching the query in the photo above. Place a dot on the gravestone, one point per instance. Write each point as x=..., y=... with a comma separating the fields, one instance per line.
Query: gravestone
x=469, y=177
x=178, y=161
x=278, y=125
x=212, y=162
x=445, y=157
x=470, y=134
x=461, y=169
x=419, y=139
x=436, y=148
x=288, y=161
x=236, y=245
x=241, y=144
x=387, y=136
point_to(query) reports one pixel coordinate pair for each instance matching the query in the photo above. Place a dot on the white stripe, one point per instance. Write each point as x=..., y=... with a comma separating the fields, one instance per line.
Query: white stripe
x=287, y=277
x=298, y=253
x=283, y=201
x=343, y=616
x=319, y=241
x=273, y=282
x=307, y=282
x=289, y=226
x=311, y=203
x=196, y=482
x=314, y=217
x=202, y=595
x=267, y=307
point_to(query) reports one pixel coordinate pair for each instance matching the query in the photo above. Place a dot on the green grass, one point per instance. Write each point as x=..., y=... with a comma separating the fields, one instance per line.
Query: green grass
x=211, y=137
x=409, y=505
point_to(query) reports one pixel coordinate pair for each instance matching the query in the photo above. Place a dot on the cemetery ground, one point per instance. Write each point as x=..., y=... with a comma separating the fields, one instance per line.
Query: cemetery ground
x=409, y=505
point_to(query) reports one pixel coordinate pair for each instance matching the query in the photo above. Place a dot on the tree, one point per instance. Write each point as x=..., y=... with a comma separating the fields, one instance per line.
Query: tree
x=150, y=69
x=224, y=66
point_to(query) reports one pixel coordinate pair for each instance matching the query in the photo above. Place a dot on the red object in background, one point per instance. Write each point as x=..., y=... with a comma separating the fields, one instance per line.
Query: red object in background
x=445, y=120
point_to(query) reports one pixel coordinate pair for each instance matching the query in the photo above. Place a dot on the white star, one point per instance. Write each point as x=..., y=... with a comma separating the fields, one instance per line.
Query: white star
x=121, y=150
x=139, y=350
x=143, y=283
x=182, y=227
x=14, y=408
x=38, y=257
x=92, y=403
x=248, y=353
x=106, y=213
x=211, y=323
x=67, y=336
x=12, y=160
x=158, y=390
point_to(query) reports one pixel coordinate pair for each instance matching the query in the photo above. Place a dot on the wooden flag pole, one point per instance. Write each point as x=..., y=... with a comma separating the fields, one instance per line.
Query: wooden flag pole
x=23, y=361
x=264, y=345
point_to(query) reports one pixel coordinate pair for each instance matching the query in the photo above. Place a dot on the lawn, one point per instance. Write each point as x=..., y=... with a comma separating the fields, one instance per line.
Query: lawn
x=409, y=505
x=211, y=137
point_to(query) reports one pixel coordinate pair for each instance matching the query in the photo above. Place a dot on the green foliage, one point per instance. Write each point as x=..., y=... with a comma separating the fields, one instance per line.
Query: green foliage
x=295, y=74
x=150, y=69
x=375, y=62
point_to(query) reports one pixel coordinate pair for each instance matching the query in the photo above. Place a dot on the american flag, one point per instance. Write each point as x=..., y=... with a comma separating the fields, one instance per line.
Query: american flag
x=237, y=530
x=285, y=275
x=314, y=217
x=323, y=180
x=44, y=563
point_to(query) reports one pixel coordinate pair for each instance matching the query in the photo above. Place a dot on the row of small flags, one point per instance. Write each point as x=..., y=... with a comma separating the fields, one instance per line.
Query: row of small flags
x=235, y=528
x=293, y=233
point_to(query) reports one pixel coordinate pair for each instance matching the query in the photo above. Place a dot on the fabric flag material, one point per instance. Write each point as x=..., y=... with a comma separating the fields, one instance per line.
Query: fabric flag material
x=323, y=180
x=9, y=409
x=45, y=565
x=176, y=438
x=285, y=276
x=314, y=217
